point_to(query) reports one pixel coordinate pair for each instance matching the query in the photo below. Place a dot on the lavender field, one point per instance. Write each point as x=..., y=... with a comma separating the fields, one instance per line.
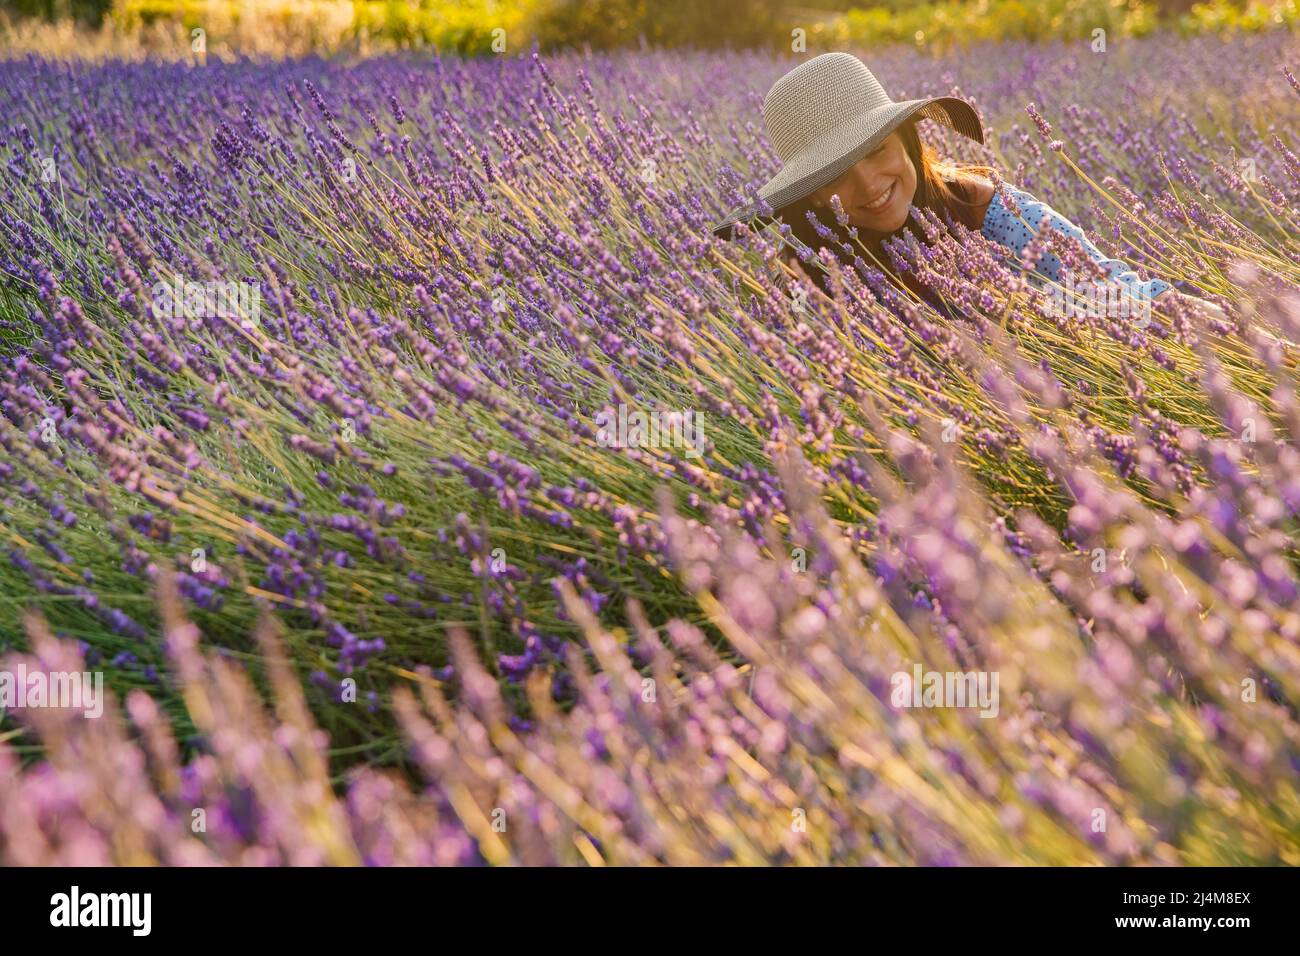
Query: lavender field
x=310, y=372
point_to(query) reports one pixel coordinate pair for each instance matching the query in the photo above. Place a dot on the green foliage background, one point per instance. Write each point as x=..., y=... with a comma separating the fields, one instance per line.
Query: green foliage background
x=466, y=26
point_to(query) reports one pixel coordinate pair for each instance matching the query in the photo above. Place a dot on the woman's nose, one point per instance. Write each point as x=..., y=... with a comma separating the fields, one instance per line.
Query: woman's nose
x=865, y=182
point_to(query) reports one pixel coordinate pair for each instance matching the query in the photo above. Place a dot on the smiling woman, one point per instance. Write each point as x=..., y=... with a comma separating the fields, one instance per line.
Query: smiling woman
x=877, y=195
x=875, y=190
x=856, y=174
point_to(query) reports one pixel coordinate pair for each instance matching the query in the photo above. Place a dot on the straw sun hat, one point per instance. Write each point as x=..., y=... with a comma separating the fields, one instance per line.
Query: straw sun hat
x=825, y=115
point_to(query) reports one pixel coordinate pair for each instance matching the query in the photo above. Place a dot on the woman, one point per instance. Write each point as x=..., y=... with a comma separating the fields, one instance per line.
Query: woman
x=840, y=135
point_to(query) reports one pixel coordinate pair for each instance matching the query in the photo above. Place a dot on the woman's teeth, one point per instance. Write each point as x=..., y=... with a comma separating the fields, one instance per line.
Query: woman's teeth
x=881, y=199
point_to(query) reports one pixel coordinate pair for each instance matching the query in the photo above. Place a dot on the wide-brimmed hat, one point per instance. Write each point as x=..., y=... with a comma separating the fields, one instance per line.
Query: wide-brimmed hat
x=825, y=115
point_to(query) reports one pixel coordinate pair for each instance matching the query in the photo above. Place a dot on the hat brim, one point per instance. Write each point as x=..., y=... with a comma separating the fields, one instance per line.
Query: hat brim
x=832, y=154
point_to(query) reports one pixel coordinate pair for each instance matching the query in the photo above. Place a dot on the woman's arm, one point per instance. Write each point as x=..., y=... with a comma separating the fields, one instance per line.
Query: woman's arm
x=1001, y=225
x=1015, y=231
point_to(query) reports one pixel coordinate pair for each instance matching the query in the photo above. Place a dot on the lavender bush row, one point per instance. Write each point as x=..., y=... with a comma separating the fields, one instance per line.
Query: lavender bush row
x=1136, y=745
x=425, y=289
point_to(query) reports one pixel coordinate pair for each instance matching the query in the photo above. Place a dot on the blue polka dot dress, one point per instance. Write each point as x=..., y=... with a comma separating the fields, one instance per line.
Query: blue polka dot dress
x=1015, y=232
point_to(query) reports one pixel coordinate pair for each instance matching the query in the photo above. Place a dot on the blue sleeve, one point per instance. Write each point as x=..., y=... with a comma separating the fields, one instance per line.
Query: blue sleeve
x=1015, y=232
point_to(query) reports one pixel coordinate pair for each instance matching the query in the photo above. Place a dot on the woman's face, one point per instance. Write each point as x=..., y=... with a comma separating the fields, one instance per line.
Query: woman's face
x=877, y=190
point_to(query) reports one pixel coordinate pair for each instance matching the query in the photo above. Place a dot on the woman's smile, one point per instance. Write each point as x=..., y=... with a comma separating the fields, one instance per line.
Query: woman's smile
x=880, y=201
x=877, y=190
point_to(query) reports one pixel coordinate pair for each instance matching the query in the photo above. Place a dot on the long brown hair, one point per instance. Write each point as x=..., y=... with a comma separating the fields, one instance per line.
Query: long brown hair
x=946, y=190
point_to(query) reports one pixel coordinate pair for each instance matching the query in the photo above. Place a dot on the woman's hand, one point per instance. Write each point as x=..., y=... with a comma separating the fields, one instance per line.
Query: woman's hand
x=1202, y=306
x=794, y=264
x=792, y=261
x=795, y=283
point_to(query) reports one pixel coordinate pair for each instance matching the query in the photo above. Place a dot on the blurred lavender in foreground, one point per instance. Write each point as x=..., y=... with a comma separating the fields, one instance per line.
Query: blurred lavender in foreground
x=1127, y=740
